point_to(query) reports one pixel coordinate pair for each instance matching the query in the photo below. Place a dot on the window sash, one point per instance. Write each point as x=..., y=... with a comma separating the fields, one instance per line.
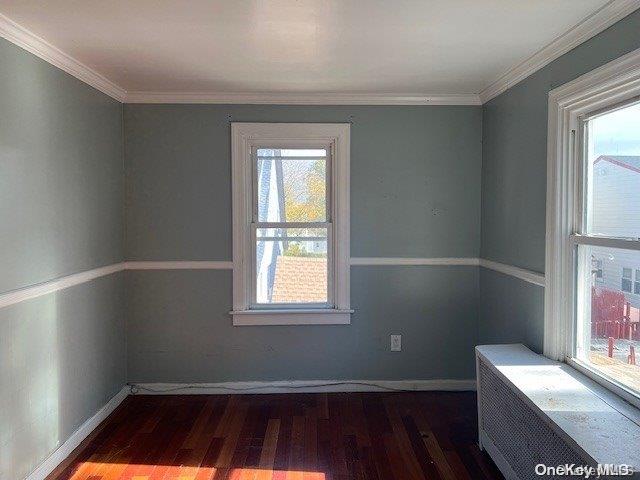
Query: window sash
x=581, y=291
x=600, y=241
x=256, y=224
x=278, y=306
x=629, y=102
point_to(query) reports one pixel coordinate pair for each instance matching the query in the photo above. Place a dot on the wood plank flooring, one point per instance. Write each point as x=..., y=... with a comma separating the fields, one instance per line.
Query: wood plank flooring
x=335, y=436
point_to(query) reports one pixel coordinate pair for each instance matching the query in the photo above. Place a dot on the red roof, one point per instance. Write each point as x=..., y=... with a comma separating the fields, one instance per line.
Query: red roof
x=300, y=280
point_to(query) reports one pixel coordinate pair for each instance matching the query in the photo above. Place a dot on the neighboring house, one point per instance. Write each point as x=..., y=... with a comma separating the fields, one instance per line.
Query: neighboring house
x=269, y=187
x=616, y=212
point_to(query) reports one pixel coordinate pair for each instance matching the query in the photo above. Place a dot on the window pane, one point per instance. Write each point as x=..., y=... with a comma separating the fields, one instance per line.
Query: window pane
x=291, y=190
x=608, y=331
x=613, y=178
x=291, y=271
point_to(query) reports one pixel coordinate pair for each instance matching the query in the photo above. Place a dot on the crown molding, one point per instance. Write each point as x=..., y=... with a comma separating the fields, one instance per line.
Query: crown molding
x=286, y=98
x=29, y=41
x=603, y=18
x=595, y=23
x=36, y=45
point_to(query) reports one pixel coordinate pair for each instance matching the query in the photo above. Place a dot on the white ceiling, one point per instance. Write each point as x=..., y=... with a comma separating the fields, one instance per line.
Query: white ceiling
x=300, y=46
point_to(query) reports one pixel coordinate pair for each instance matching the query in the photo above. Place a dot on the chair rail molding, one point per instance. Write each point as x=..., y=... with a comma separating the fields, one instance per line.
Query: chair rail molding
x=44, y=288
x=527, y=275
x=39, y=289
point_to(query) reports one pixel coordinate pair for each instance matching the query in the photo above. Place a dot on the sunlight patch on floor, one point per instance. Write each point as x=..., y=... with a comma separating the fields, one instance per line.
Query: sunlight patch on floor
x=189, y=472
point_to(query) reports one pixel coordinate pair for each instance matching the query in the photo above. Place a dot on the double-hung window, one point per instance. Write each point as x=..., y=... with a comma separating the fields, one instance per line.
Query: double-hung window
x=592, y=311
x=291, y=223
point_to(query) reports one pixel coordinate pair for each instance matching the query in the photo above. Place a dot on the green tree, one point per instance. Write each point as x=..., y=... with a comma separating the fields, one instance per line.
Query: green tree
x=306, y=204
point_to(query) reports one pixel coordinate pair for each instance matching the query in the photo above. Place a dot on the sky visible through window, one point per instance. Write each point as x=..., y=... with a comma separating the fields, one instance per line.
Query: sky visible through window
x=618, y=133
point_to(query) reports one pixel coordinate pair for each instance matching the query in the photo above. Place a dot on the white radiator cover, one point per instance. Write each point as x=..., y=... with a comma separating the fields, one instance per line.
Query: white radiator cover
x=512, y=430
x=522, y=424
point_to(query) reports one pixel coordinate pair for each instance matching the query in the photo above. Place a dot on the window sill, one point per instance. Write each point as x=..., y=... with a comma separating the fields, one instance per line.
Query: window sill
x=605, y=381
x=291, y=317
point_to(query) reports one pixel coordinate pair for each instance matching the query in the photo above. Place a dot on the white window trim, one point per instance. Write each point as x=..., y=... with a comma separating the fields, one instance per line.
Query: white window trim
x=244, y=136
x=615, y=82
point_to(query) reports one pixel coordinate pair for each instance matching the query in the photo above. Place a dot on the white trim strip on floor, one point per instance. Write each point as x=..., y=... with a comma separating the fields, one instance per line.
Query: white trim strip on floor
x=303, y=386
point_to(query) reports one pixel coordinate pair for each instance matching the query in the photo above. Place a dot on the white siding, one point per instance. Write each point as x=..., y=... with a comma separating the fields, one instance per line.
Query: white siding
x=613, y=261
x=616, y=201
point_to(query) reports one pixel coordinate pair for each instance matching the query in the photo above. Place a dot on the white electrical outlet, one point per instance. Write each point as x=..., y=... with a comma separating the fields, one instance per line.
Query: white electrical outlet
x=396, y=343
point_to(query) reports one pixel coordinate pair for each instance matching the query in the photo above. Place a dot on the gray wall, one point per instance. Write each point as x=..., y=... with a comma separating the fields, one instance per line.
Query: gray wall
x=61, y=195
x=415, y=191
x=514, y=173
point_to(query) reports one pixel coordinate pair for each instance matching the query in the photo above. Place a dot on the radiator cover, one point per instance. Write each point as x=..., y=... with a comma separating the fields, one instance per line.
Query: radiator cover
x=521, y=437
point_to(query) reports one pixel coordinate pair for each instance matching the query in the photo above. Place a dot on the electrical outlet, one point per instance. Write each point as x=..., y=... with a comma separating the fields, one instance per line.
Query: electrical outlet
x=396, y=343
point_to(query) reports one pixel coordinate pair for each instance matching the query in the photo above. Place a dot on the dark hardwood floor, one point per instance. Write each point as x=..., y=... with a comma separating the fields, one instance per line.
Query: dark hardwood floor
x=337, y=436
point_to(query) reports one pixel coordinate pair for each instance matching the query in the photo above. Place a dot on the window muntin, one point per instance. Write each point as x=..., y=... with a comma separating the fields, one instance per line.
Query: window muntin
x=291, y=228
x=607, y=330
x=626, y=280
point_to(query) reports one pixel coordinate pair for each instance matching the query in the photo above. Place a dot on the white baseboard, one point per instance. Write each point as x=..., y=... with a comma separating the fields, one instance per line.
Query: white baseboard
x=303, y=386
x=64, y=450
